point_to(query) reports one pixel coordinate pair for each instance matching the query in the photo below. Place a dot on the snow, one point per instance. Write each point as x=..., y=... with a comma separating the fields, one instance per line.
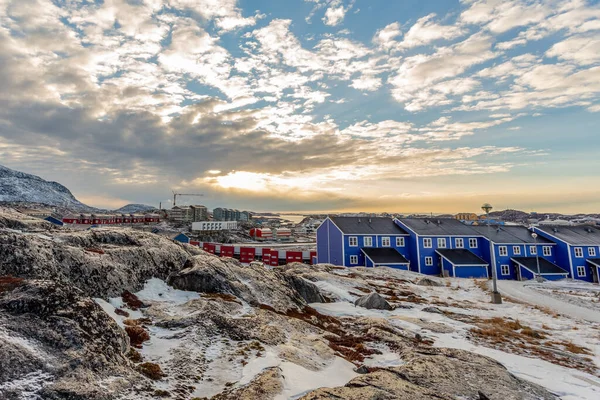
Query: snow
x=299, y=380
x=524, y=291
x=158, y=290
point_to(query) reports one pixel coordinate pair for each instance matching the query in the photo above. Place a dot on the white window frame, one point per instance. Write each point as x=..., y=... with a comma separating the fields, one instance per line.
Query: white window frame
x=399, y=241
x=459, y=243
x=386, y=242
x=592, y=251
x=353, y=241
x=533, y=250
x=354, y=260
x=441, y=243
x=517, y=250
x=368, y=239
x=578, y=252
x=547, y=251
x=503, y=271
x=473, y=243
x=581, y=268
x=429, y=261
x=503, y=251
x=427, y=243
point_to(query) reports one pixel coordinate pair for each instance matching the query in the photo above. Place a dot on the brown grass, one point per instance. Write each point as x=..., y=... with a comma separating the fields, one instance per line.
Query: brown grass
x=9, y=283
x=96, y=250
x=151, y=370
x=361, y=289
x=122, y=313
x=134, y=355
x=132, y=300
x=514, y=337
x=137, y=335
x=223, y=296
x=352, y=348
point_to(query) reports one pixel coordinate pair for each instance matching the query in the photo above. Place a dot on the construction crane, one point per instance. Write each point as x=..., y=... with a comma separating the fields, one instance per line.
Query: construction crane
x=175, y=194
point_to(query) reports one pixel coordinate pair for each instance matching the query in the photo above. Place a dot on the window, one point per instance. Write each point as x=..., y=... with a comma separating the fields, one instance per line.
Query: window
x=368, y=241
x=473, y=243
x=441, y=243
x=428, y=261
x=353, y=241
x=459, y=243
x=533, y=250
x=503, y=250
x=517, y=250
x=581, y=270
x=578, y=252
x=353, y=260
x=592, y=251
x=385, y=242
x=399, y=242
x=547, y=250
x=505, y=269
x=427, y=243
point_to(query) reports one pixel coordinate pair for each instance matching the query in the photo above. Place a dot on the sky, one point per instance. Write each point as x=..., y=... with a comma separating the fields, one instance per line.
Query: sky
x=307, y=105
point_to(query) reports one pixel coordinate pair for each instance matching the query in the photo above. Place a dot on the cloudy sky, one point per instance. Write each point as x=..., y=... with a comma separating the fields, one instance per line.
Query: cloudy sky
x=408, y=106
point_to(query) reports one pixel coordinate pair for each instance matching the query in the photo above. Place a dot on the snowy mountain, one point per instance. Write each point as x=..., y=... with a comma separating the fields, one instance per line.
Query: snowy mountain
x=19, y=187
x=134, y=208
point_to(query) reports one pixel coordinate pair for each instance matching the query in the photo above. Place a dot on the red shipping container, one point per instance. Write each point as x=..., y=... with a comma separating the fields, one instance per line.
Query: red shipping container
x=227, y=251
x=247, y=254
x=209, y=247
x=266, y=256
x=293, y=256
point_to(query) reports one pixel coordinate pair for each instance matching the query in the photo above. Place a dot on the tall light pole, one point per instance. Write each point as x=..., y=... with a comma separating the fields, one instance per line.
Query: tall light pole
x=496, y=297
x=537, y=257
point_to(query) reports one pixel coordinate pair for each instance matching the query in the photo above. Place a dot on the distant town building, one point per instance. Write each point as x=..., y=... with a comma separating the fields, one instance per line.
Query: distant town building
x=466, y=216
x=208, y=226
x=227, y=214
x=200, y=213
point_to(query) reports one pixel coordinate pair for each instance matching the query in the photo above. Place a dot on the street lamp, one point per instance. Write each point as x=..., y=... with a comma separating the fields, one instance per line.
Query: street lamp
x=496, y=297
x=537, y=258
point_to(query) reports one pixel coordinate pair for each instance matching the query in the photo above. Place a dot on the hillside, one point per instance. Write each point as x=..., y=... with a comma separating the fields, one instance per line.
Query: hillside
x=134, y=208
x=19, y=187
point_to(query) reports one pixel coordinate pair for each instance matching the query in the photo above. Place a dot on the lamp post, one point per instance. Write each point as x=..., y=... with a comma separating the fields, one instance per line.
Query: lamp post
x=496, y=297
x=537, y=257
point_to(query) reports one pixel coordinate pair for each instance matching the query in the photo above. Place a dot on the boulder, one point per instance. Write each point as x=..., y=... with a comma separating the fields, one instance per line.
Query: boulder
x=256, y=285
x=433, y=310
x=440, y=374
x=373, y=301
x=428, y=282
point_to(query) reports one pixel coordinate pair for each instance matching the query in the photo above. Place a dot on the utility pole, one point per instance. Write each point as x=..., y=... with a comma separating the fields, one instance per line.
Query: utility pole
x=496, y=297
x=537, y=258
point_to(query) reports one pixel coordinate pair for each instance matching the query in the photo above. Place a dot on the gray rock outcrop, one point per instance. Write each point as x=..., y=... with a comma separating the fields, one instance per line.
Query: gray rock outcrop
x=283, y=291
x=438, y=374
x=428, y=282
x=373, y=301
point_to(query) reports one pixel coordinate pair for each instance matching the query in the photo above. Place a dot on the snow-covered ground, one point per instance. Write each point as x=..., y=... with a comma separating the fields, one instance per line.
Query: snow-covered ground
x=554, y=316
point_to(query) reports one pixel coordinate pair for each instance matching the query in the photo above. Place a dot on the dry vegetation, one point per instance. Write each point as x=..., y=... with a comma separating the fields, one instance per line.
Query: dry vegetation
x=9, y=283
x=514, y=337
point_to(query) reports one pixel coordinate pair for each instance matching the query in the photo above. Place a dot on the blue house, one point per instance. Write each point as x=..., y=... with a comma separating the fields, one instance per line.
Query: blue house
x=54, y=221
x=444, y=246
x=516, y=254
x=362, y=242
x=181, y=237
x=577, y=249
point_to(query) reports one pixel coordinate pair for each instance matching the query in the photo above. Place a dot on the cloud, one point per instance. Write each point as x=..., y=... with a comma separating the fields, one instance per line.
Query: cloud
x=425, y=31
x=335, y=13
x=583, y=50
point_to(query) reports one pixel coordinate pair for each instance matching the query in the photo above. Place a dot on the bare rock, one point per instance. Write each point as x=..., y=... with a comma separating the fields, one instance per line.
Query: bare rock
x=433, y=310
x=440, y=374
x=428, y=282
x=373, y=301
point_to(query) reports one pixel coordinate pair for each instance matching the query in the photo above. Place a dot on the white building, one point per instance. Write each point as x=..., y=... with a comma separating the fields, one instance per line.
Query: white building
x=206, y=226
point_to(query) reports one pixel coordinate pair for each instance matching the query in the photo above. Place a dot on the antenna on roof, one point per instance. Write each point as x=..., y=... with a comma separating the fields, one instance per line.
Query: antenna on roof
x=369, y=220
x=554, y=230
x=439, y=222
x=359, y=220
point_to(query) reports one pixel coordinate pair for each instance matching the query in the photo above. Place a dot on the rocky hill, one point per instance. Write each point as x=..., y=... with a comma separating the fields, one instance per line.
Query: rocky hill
x=119, y=314
x=134, y=208
x=19, y=187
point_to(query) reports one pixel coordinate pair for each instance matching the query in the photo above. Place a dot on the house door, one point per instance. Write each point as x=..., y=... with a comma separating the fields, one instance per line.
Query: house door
x=594, y=273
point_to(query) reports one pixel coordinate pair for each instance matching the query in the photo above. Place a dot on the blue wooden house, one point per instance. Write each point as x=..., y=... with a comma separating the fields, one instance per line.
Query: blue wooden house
x=362, y=242
x=444, y=246
x=516, y=253
x=181, y=237
x=577, y=248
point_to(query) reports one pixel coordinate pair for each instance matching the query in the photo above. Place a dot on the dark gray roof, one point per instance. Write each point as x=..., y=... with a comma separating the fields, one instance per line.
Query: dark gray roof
x=461, y=257
x=384, y=255
x=575, y=235
x=362, y=226
x=439, y=227
x=594, y=261
x=546, y=267
x=509, y=234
